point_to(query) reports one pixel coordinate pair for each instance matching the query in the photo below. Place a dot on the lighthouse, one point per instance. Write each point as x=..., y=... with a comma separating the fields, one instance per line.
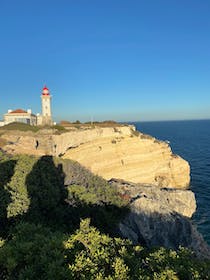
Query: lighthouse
x=46, y=107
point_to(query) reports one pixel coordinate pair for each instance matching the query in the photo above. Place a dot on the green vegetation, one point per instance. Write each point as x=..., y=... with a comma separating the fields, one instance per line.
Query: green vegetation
x=79, y=124
x=59, y=128
x=27, y=127
x=58, y=221
x=63, y=127
x=20, y=126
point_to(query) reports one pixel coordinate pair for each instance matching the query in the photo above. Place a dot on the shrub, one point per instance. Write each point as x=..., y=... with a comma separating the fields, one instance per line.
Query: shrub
x=77, y=175
x=33, y=252
x=59, y=129
x=36, y=252
x=20, y=126
x=95, y=255
x=17, y=187
x=41, y=203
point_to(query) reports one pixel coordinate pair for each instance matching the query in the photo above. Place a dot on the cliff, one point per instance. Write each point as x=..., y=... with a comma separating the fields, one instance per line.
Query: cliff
x=118, y=152
x=160, y=217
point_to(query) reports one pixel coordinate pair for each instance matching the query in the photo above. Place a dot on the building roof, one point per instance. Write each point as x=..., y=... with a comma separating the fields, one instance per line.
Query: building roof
x=18, y=111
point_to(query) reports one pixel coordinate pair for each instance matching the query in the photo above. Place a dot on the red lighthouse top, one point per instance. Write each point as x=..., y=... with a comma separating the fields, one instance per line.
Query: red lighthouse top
x=45, y=91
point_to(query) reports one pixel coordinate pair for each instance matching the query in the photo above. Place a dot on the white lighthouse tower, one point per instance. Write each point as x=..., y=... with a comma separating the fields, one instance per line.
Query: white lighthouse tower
x=46, y=107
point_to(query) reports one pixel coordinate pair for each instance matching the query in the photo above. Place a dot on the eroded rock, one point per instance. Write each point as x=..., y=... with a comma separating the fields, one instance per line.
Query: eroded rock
x=119, y=152
x=160, y=217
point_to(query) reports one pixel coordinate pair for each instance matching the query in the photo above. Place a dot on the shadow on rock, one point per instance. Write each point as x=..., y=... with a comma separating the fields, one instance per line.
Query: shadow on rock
x=169, y=230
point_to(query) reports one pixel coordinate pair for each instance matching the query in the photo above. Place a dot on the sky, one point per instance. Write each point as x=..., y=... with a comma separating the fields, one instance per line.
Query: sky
x=123, y=60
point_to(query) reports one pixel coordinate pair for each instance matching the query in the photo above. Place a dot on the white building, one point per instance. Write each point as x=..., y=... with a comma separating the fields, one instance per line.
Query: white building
x=20, y=115
x=28, y=117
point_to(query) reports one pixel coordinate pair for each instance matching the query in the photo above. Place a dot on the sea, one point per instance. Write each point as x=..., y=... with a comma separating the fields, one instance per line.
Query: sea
x=190, y=140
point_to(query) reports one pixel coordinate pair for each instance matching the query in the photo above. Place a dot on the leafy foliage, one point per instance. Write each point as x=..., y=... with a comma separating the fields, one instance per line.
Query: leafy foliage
x=42, y=189
x=6, y=172
x=36, y=252
x=33, y=252
x=17, y=186
x=95, y=256
x=42, y=201
x=88, y=187
x=45, y=188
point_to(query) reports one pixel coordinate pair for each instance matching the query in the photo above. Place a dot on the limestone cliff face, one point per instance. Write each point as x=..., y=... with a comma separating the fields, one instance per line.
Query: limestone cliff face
x=19, y=142
x=119, y=152
x=160, y=217
x=132, y=158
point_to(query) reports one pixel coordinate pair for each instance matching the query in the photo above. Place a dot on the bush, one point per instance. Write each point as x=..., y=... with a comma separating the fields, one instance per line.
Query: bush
x=20, y=126
x=99, y=188
x=42, y=189
x=42, y=201
x=17, y=187
x=59, y=129
x=95, y=255
x=36, y=252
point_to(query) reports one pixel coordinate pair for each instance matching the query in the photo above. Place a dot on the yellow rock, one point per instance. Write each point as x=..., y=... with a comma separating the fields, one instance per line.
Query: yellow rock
x=112, y=152
x=133, y=158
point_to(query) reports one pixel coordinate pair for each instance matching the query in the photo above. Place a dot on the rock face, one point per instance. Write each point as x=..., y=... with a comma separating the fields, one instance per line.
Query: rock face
x=19, y=142
x=160, y=217
x=133, y=158
x=119, y=152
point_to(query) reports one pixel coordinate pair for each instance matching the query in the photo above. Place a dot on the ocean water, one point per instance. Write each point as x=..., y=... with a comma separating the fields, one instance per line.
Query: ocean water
x=190, y=140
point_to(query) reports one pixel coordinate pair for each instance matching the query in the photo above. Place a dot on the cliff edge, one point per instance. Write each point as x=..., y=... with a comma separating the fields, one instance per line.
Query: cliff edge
x=160, y=217
x=111, y=152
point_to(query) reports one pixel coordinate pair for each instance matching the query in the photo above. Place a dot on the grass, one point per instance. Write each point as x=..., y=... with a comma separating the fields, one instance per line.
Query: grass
x=60, y=128
x=20, y=126
x=27, y=127
x=113, y=124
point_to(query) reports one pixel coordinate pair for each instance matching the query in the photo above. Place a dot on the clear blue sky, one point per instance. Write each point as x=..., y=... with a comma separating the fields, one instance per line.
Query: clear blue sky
x=109, y=59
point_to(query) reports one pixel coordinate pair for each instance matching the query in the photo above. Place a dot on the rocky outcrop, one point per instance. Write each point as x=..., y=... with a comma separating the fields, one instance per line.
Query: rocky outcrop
x=136, y=158
x=20, y=142
x=160, y=217
x=51, y=142
x=112, y=152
